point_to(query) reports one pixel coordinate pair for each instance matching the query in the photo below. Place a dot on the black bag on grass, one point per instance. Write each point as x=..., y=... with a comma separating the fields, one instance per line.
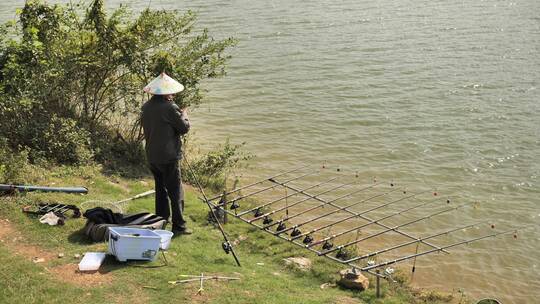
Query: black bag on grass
x=100, y=219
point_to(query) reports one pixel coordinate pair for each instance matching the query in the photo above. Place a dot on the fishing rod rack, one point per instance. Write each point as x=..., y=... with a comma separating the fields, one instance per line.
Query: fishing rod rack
x=335, y=216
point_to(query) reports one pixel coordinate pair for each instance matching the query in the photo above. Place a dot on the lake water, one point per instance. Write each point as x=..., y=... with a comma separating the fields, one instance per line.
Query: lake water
x=431, y=94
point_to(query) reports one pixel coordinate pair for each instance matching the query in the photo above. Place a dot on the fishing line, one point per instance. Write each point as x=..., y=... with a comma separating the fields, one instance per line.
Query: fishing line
x=414, y=261
x=114, y=206
x=286, y=204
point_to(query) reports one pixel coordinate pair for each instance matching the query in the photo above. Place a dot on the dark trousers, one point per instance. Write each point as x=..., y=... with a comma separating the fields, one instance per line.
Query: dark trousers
x=168, y=183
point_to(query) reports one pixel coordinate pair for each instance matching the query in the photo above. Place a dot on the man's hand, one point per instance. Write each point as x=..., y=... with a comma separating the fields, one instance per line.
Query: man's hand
x=183, y=110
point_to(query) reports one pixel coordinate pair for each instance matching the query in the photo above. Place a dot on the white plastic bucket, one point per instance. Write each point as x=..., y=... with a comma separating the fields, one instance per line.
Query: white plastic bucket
x=166, y=237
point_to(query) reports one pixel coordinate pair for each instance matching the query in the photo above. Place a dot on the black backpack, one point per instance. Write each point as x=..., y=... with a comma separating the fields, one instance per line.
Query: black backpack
x=100, y=219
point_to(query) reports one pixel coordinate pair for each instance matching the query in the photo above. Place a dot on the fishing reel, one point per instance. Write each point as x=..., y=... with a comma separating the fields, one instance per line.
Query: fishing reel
x=327, y=245
x=258, y=212
x=222, y=201
x=267, y=220
x=389, y=271
x=281, y=227
x=308, y=239
x=342, y=254
x=296, y=232
x=234, y=205
x=226, y=247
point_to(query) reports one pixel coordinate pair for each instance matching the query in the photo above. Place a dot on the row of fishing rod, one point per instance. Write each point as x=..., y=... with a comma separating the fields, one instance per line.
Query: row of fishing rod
x=308, y=239
x=305, y=239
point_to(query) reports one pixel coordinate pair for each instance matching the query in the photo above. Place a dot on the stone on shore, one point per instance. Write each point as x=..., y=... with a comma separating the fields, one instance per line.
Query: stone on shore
x=351, y=280
x=301, y=263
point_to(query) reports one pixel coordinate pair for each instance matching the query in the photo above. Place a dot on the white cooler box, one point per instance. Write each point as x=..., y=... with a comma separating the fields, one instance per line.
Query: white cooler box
x=133, y=244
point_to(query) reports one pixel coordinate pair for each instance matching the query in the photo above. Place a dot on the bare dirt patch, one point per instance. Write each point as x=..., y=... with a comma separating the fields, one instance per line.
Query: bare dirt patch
x=69, y=273
x=203, y=297
x=13, y=240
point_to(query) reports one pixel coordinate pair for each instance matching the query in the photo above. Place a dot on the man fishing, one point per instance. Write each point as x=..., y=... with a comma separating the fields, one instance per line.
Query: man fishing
x=164, y=123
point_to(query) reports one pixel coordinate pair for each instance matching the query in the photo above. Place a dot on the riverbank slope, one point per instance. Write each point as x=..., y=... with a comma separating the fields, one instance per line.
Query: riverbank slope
x=39, y=262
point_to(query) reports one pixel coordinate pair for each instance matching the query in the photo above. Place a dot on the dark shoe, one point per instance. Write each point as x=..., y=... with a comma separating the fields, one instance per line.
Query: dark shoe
x=184, y=231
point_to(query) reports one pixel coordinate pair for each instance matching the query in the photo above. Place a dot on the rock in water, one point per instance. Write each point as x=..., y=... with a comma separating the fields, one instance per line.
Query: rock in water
x=301, y=263
x=351, y=280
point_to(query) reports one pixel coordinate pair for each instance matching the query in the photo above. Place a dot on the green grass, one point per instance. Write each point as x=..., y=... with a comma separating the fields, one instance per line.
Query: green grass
x=264, y=277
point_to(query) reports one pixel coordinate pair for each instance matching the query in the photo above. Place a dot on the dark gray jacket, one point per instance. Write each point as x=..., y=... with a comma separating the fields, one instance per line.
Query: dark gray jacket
x=163, y=124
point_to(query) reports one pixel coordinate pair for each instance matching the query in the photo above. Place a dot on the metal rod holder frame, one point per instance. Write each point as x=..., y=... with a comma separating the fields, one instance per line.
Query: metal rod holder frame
x=254, y=215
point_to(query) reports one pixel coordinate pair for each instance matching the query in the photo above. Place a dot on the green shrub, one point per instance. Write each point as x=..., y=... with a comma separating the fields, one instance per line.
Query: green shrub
x=13, y=165
x=71, y=76
x=44, y=135
x=212, y=169
x=65, y=142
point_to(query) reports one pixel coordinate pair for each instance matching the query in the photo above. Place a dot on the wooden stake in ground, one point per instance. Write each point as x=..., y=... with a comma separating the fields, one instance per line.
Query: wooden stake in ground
x=193, y=278
x=201, y=286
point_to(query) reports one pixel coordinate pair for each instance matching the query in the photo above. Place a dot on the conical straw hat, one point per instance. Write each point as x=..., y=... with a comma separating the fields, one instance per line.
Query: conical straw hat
x=163, y=85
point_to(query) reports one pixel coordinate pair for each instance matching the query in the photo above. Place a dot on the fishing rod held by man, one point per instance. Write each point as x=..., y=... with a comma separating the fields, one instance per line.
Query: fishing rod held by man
x=164, y=123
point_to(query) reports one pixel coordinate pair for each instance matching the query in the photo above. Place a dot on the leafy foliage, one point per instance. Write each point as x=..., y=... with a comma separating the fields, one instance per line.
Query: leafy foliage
x=13, y=166
x=213, y=168
x=71, y=76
